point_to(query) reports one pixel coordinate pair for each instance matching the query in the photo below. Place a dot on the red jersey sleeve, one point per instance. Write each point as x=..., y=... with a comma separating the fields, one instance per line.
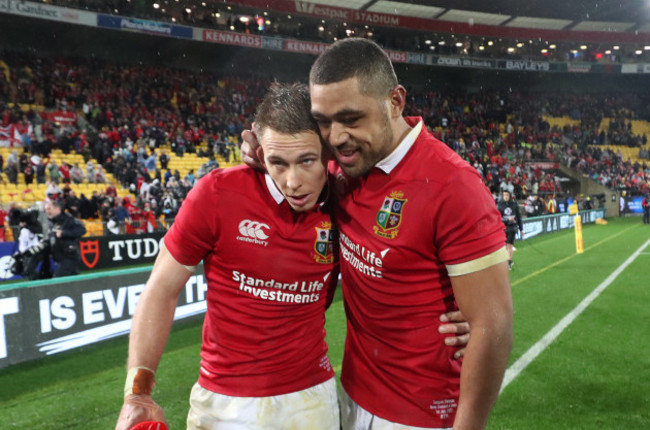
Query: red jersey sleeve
x=196, y=226
x=467, y=223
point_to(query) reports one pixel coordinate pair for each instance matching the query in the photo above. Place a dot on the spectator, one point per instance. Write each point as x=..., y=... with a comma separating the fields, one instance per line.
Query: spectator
x=164, y=160
x=63, y=237
x=72, y=204
x=55, y=174
x=76, y=174
x=53, y=191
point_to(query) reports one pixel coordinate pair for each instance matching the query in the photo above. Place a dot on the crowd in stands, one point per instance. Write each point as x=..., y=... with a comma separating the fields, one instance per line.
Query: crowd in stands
x=133, y=119
x=500, y=133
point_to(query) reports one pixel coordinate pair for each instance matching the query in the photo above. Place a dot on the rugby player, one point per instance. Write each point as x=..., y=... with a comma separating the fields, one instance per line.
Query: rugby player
x=264, y=359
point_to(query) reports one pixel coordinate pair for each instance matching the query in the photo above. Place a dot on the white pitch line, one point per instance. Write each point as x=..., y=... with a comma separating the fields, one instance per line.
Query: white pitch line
x=518, y=366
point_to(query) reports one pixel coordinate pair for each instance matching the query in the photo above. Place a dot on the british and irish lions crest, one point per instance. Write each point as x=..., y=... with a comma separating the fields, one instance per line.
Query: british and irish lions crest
x=389, y=216
x=324, y=245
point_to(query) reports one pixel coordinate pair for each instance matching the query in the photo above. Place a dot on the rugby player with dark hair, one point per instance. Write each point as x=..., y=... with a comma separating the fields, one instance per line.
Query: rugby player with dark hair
x=404, y=216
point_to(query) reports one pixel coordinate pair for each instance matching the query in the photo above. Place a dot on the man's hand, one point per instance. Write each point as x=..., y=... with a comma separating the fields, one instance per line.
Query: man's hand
x=136, y=409
x=249, y=151
x=458, y=325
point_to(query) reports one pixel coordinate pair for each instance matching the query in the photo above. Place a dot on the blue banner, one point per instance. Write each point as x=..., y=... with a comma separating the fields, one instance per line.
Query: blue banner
x=634, y=205
x=6, y=261
x=144, y=26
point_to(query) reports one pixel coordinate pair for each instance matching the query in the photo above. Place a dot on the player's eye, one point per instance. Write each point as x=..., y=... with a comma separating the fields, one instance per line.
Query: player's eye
x=277, y=163
x=349, y=121
x=323, y=123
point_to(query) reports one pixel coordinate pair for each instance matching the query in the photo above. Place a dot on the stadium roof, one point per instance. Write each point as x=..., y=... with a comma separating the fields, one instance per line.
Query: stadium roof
x=626, y=21
x=593, y=15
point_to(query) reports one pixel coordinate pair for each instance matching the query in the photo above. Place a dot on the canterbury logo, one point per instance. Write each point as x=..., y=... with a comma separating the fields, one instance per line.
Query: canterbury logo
x=253, y=229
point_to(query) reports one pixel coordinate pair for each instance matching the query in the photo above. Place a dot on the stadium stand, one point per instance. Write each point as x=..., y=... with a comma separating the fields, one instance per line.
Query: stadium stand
x=133, y=114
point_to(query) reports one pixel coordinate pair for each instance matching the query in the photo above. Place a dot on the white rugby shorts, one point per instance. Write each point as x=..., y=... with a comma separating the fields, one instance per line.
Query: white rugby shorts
x=315, y=408
x=354, y=417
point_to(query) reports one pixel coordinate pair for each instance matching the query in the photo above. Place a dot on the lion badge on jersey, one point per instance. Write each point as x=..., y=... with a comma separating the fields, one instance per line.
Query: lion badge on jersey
x=324, y=244
x=389, y=216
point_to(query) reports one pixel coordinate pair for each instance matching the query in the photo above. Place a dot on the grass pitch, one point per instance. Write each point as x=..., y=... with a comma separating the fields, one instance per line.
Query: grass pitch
x=593, y=375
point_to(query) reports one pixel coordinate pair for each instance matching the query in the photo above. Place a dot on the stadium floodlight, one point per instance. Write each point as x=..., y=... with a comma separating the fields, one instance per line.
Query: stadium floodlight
x=646, y=48
x=441, y=43
x=544, y=51
x=608, y=52
x=427, y=42
x=459, y=44
x=638, y=52
x=552, y=46
x=616, y=47
x=583, y=47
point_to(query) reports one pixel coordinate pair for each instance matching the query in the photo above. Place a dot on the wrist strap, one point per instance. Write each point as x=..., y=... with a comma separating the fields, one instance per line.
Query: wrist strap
x=139, y=380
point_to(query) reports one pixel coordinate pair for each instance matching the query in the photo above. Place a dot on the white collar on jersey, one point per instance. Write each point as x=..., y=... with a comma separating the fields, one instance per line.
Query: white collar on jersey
x=392, y=160
x=273, y=189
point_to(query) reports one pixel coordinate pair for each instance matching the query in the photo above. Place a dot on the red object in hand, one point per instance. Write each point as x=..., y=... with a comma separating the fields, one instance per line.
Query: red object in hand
x=150, y=425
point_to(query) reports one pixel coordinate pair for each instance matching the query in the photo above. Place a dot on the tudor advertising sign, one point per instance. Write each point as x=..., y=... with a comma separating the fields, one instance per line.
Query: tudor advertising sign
x=119, y=251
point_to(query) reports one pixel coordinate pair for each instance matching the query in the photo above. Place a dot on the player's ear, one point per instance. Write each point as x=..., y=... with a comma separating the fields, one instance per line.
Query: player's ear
x=260, y=154
x=397, y=99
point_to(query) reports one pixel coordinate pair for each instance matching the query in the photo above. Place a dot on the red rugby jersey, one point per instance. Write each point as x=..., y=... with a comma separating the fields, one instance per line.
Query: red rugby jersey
x=270, y=273
x=419, y=215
